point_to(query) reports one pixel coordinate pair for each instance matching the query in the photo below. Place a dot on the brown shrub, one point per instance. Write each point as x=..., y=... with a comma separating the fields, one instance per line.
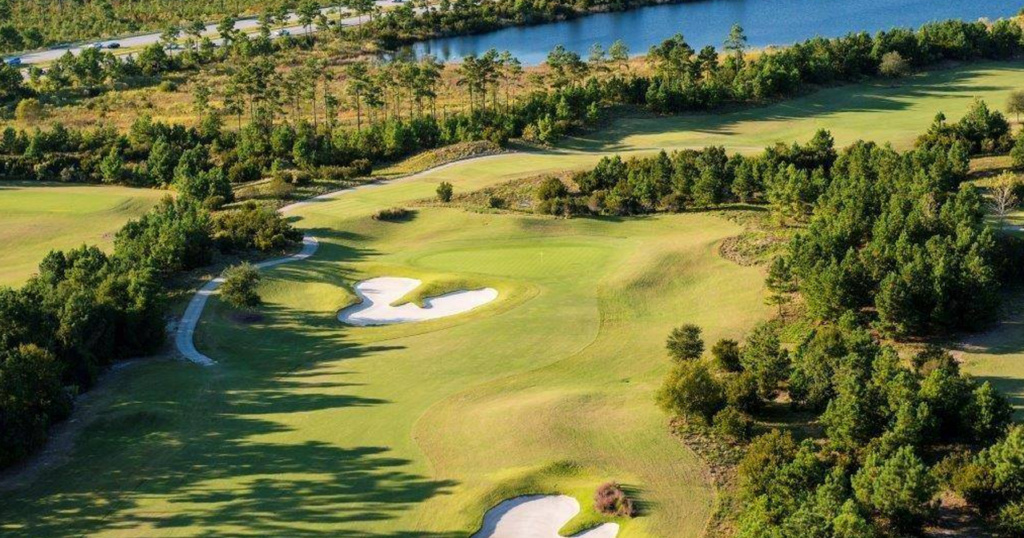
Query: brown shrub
x=610, y=500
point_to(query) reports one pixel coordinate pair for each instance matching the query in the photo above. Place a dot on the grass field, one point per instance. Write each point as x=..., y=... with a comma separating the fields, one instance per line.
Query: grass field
x=878, y=111
x=307, y=426
x=35, y=219
x=310, y=428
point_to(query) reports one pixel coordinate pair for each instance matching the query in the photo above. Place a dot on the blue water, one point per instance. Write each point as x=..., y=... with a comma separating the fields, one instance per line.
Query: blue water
x=707, y=22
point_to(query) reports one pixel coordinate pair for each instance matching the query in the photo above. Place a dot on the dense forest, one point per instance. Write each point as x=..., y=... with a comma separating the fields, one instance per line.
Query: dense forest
x=895, y=433
x=889, y=245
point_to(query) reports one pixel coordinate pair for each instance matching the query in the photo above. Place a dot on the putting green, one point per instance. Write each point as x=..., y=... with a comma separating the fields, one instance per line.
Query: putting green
x=35, y=219
x=308, y=427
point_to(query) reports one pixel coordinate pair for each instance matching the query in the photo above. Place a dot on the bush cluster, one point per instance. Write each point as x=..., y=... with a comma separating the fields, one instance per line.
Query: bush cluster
x=392, y=214
x=611, y=500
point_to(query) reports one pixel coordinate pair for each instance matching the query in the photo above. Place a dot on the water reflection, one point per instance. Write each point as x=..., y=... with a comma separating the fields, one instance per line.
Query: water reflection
x=707, y=22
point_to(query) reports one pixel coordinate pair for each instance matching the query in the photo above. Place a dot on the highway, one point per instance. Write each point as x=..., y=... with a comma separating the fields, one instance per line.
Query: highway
x=133, y=44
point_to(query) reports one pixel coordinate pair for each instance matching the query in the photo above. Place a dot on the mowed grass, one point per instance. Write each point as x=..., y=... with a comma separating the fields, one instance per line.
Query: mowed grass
x=35, y=219
x=893, y=112
x=310, y=428
x=997, y=355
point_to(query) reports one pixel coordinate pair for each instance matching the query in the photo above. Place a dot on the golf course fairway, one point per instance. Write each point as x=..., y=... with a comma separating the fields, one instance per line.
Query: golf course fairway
x=308, y=427
x=37, y=218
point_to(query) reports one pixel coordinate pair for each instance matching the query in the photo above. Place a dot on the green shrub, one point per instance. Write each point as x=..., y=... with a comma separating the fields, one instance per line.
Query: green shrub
x=241, y=286
x=727, y=355
x=300, y=177
x=392, y=214
x=732, y=424
x=445, y=192
x=685, y=343
x=213, y=203
x=741, y=392
x=692, y=391
x=253, y=227
x=1011, y=518
x=29, y=110
x=893, y=65
x=1017, y=152
x=550, y=189
x=279, y=188
x=243, y=172
x=361, y=167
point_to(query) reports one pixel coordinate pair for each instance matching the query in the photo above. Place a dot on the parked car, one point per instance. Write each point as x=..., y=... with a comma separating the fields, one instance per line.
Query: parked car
x=282, y=33
x=114, y=45
x=14, y=62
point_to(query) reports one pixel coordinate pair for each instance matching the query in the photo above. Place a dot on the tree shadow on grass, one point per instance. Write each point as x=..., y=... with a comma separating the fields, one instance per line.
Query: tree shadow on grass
x=206, y=451
x=867, y=97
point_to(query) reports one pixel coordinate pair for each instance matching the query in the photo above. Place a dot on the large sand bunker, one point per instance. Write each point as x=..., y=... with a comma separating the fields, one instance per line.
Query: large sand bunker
x=537, y=516
x=377, y=294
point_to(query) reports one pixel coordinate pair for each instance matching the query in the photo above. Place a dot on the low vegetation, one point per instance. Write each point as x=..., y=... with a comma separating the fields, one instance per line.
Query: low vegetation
x=611, y=500
x=392, y=214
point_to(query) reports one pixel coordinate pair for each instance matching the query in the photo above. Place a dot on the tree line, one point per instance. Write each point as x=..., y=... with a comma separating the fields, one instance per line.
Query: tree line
x=86, y=309
x=679, y=79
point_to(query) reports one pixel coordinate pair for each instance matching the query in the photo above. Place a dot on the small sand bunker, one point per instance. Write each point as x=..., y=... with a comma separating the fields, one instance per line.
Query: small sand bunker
x=377, y=294
x=537, y=516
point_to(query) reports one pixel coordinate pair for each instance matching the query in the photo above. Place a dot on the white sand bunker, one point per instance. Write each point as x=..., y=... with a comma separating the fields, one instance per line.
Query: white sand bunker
x=377, y=294
x=537, y=516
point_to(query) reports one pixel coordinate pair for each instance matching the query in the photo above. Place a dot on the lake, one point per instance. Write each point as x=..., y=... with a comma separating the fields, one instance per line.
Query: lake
x=707, y=22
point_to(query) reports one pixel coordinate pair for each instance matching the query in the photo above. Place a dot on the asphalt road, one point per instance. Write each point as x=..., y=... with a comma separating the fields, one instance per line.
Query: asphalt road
x=133, y=43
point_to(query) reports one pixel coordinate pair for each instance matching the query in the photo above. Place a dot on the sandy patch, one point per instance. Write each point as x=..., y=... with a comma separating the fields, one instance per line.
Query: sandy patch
x=537, y=516
x=377, y=294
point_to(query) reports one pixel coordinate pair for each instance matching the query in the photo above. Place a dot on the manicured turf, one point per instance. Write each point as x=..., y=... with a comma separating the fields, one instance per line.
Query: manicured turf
x=36, y=219
x=307, y=427
x=879, y=111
